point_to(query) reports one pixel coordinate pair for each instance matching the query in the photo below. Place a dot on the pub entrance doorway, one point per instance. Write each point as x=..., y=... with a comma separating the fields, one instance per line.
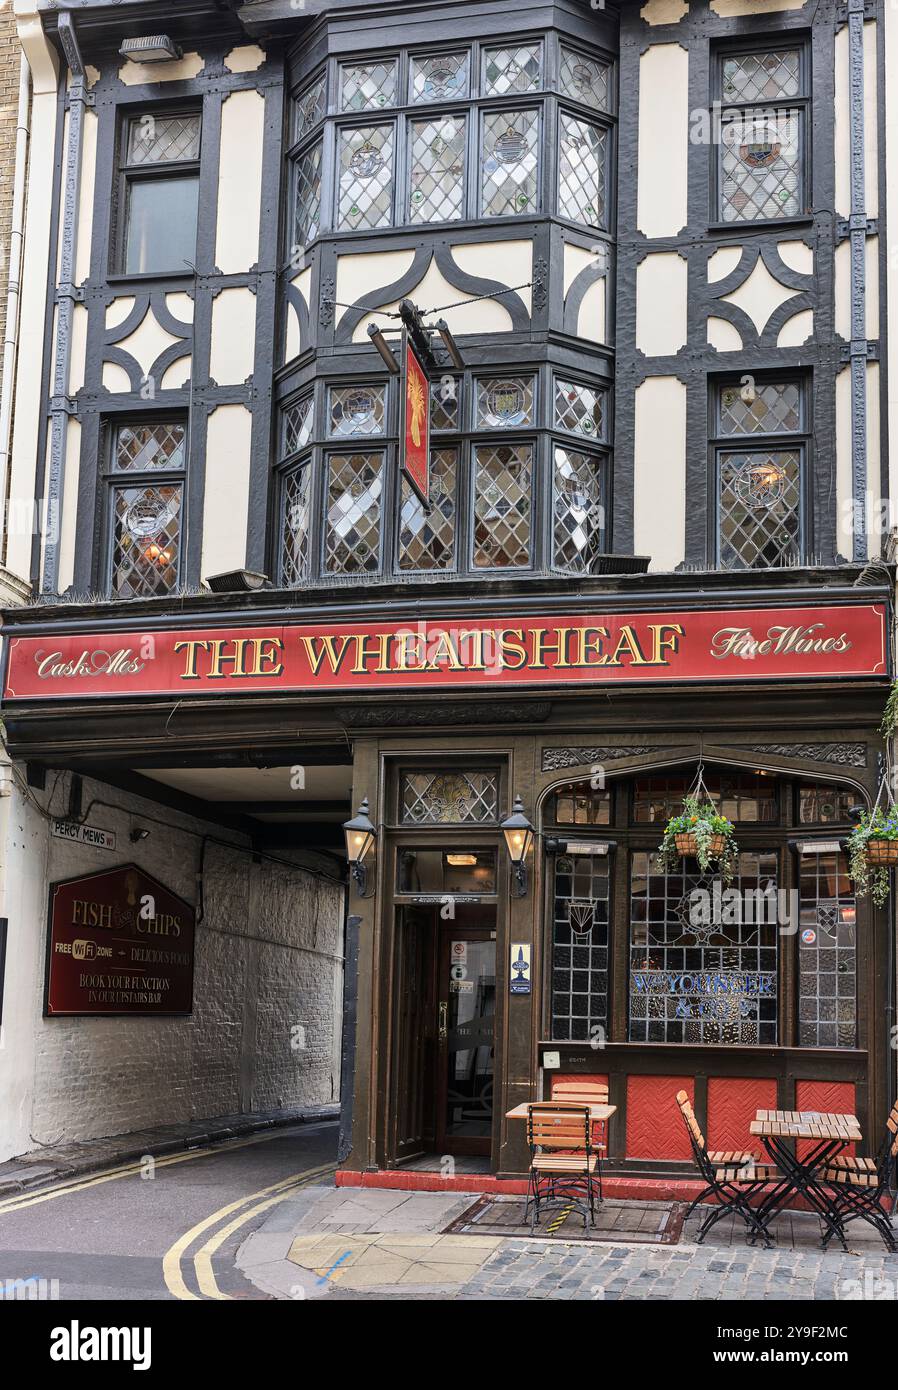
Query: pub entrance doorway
x=444, y=1031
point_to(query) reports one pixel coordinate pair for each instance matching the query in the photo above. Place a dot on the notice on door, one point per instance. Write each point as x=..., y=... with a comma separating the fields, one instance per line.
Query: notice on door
x=119, y=942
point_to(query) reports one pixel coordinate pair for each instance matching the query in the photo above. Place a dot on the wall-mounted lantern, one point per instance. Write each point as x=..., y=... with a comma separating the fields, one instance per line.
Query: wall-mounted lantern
x=361, y=837
x=518, y=834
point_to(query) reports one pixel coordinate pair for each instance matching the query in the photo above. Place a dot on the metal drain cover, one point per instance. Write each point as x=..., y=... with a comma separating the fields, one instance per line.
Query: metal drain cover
x=639, y=1223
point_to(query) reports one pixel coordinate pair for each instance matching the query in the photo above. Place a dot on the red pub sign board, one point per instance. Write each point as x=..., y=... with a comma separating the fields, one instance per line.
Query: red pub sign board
x=118, y=943
x=416, y=431
x=735, y=645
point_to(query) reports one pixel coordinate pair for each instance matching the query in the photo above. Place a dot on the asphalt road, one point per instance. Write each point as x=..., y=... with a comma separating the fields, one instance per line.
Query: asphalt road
x=163, y=1230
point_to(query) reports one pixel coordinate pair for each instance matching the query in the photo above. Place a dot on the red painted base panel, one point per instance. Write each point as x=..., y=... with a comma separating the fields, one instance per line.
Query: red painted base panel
x=631, y=1189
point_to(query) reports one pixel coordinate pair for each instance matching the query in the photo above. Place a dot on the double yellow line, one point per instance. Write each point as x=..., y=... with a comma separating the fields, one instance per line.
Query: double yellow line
x=259, y=1202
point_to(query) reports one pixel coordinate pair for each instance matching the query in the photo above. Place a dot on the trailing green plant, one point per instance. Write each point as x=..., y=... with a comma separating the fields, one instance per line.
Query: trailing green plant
x=890, y=713
x=866, y=877
x=703, y=821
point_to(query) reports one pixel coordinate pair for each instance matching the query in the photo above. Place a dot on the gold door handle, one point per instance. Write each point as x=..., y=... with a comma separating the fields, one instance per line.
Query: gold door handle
x=444, y=1021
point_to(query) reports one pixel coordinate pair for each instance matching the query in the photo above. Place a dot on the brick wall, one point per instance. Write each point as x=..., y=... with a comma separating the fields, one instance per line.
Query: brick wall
x=265, y=1028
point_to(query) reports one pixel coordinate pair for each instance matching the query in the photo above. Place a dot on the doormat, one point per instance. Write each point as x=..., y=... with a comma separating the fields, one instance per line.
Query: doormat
x=637, y=1223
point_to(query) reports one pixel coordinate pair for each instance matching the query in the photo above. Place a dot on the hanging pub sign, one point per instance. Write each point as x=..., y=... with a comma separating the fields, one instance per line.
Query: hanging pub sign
x=118, y=942
x=822, y=642
x=415, y=451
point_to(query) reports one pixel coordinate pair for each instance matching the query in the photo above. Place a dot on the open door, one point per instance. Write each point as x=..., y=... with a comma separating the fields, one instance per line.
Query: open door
x=466, y=1003
x=414, y=1032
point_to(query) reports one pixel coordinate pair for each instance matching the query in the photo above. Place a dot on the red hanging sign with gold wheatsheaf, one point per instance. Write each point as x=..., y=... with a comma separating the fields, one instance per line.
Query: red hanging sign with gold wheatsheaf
x=416, y=433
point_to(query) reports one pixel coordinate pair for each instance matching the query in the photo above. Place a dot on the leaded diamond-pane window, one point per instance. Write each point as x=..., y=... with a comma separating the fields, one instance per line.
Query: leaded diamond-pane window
x=580, y=947
x=146, y=539
x=145, y=448
x=437, y=169
x=827, y=954
x=355, y=410
x=307, y=195
x=578, y=510
x=512, y=71
x=769, y=76
x=445, y=401
x=510, y=163
x=366, y=177
x=368, y=86
x=310, y=108
x=295, y=538
x=352, y=531
x=583, y=79
x=581, y=171
x=760, y=167
x=580, y=409
x=427, y=536
x=449, y=798
x=439, y=77
x=296, y=426
x=772, y=407
x=502, y=506
x=504, y=402
x=760, y=513
x=163, y=139
x=693, y=977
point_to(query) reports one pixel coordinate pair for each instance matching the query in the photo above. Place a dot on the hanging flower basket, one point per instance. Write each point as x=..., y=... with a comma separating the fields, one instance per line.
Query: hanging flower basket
x=700, y=833
x=872, y=851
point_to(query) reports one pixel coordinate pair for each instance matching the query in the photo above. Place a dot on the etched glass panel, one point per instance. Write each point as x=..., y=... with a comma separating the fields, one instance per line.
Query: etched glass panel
x=437, y=169
x=583, y=79
x=439, y=77
x=310, y=108
x=827, y=953
x=295, y=538
x=762, y=76
x=502, y=506
x=352, y=532
x=355, y=410
x=296, y=426
x=580, y=409
x=163, y=139
x=510, y=163
x=760, y=510
x=146, y=540
x=696, y=975
x=770, y=407
x=760, y=167
x=366, y=177
x=826, y=804
x=581, y=171
x=580, y=947
x=146, y=448
x=504, y=402
x=578, y=511
x=307, y=195
x=368, y=86
x=427, y=536
x=512, y=71
x=448, y=798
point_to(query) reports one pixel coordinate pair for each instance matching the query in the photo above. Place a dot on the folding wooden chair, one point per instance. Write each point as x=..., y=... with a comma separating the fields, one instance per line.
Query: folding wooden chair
x=587, y=1091
x=562, y=1161
x=862, y=1187
x=732, y=1176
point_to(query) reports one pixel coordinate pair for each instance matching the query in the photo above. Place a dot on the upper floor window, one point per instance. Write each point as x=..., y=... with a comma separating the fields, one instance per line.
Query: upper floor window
x=145, y=479
x=760, y=460
x=159, y=190
x=439, y=137
x=762, y=168
x=505, y=451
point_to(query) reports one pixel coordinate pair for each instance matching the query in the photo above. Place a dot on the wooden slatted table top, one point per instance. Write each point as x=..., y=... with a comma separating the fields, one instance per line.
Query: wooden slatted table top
x=806, y=1124
x=596, y=1112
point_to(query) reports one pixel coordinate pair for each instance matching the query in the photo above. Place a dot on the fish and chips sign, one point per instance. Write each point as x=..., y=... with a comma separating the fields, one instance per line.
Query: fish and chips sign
x=328, y=657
